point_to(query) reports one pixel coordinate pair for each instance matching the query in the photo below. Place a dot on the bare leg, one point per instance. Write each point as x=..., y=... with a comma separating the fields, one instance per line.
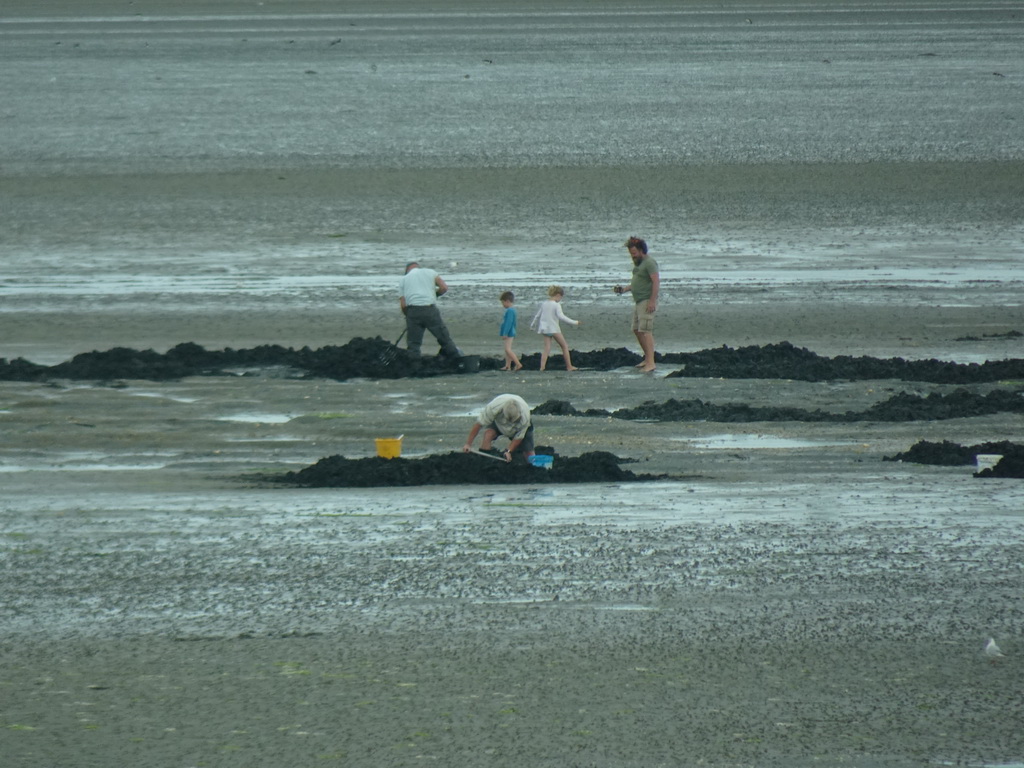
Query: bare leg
x=511, y=360
x=488, y=438
x=565, y=352
x=647, y=345
x=545, y=353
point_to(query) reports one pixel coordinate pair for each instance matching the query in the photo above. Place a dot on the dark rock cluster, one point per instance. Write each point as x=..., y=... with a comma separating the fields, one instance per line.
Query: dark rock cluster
x=785, y=361
x=899, y=407
x=459, y=469
x=950, y=454
x=368, y=358
x=378, y=358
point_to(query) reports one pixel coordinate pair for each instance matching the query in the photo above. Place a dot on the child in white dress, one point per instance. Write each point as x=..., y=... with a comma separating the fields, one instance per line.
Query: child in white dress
x=546, y=323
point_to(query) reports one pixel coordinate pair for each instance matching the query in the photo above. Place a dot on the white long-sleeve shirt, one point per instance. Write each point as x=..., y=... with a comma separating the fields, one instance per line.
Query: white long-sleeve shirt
x=549, y=313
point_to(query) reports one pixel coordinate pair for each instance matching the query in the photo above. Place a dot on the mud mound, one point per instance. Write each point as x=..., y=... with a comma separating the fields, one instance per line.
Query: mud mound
x=949, y=454
x=607, y=359
x=1011, y=466
x=459, y=469
x=370, y=358
x=379, y=359
x=359, y=358
x=1009, y=336
x=901, y=407
x=785, y=361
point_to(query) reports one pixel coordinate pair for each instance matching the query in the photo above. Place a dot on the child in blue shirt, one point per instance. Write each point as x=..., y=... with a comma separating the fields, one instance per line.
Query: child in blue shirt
x=508, y=331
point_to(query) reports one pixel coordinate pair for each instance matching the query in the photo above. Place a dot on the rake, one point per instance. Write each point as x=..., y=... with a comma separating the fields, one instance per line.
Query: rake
x=486, y=455
x=387, y=357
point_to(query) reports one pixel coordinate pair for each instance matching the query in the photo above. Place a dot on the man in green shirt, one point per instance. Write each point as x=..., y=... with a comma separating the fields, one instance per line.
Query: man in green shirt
x=644, y=286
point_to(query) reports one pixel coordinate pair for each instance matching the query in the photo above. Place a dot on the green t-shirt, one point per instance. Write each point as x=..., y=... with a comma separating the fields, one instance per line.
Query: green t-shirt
x=641, y=284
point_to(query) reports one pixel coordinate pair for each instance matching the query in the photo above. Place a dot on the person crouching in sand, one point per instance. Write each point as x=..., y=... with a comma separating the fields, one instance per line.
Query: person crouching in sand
x=506, y=416
x=546, y=323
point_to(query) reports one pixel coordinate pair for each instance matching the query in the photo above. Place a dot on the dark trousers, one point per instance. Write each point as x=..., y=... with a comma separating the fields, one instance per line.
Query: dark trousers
x=420, y=319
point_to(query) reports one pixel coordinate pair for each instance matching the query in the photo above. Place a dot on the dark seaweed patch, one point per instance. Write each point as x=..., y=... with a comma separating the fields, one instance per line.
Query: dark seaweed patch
x=949, y=454
x=378, y=358
x=459, y=469
x=900, y=407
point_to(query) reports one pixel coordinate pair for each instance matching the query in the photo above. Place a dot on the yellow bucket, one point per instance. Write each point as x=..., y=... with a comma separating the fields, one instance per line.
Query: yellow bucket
x=389, y=447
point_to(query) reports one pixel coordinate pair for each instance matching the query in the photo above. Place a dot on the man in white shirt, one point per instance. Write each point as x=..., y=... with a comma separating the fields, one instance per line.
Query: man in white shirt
x=418, y=291
x=507, y=415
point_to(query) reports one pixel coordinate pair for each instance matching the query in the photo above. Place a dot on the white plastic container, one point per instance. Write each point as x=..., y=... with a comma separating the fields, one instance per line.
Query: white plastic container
x=987, y=460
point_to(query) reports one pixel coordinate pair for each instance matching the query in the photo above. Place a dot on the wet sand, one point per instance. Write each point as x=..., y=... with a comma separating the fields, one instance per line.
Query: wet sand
x=787, y=598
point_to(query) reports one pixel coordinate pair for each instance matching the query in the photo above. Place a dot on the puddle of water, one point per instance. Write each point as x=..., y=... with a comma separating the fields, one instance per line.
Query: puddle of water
x=733, y=442
x=268, y=439
x=97, y=467
x=164, y=396
x=94, y=461
x=258, y=418
x=625, y=607
x=88, y=461
x=510, y=601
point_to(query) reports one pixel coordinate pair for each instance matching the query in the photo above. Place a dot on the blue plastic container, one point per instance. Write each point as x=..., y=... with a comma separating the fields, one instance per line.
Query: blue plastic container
x=542, y=461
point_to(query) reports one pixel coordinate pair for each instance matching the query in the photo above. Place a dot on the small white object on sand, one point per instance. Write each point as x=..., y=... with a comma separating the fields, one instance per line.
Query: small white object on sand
x=992, y=651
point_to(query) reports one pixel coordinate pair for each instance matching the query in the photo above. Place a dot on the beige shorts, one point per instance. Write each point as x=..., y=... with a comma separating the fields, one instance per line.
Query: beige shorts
x=643, y=321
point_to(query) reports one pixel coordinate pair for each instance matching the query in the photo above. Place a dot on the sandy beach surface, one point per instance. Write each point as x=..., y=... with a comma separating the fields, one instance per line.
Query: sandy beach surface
x=233, y=174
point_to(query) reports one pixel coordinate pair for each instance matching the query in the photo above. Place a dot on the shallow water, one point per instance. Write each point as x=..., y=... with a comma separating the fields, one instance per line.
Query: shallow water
x=400, y=85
